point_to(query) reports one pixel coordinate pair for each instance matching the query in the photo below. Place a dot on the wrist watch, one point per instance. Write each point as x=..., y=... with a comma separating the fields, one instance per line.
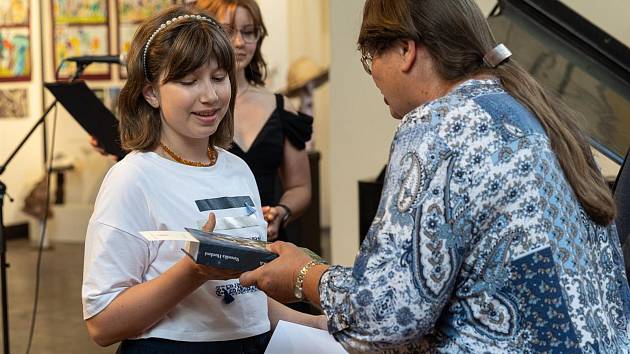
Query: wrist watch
x=298, y=289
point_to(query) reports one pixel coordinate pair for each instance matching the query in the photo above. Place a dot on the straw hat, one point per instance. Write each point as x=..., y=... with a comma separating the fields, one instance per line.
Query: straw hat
x=301, y=72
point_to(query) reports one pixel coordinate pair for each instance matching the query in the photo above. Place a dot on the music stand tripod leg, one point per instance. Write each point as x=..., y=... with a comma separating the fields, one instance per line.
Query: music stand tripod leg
x=3, y=273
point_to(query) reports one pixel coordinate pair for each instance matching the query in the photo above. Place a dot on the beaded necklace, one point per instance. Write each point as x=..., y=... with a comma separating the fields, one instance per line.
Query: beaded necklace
x=212, y=156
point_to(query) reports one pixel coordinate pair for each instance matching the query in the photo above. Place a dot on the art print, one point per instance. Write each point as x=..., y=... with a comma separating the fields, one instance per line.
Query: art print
x=15, y=57
x=13, y=103
x=14, y=12
x=80, y=11
x=136, y=11
x=81, y=40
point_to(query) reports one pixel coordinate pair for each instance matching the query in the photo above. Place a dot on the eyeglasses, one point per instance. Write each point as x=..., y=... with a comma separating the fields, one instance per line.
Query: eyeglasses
x=366, y=60
x=249, y=34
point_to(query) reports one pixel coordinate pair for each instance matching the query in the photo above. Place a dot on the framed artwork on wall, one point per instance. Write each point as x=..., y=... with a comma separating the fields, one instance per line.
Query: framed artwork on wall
x=136, y=11
x=15, y=54
x=80, y=12
x=80, y=40
x=80, y=27
x=15, y=41
x=130, y=14
x=14, y=12
x=13, y=103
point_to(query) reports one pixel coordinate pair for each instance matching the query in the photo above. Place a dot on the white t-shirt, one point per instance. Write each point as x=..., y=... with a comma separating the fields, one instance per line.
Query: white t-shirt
x=145, y=191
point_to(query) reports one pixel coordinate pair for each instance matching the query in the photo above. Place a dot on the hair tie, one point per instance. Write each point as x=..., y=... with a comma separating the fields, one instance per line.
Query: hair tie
x=162, y=26
x=497, y=55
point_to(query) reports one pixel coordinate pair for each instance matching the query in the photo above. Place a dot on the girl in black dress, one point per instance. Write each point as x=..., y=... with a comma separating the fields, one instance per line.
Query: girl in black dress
x=268, y=133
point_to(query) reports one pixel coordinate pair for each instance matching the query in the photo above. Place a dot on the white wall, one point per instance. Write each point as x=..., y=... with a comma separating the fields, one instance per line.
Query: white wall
x=275, y=47
x=309, y=28
x=360, y=128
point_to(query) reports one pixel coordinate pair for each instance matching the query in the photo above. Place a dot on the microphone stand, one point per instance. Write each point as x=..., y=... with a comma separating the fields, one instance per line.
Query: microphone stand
x=3, y=188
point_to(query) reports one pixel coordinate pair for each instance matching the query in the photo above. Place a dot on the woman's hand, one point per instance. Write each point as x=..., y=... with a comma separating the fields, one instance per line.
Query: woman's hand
x=277, y=278
x=273, y=216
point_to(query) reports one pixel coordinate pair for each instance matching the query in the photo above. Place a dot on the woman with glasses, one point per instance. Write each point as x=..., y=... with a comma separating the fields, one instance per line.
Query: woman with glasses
x=495, y=229
x=268, y=133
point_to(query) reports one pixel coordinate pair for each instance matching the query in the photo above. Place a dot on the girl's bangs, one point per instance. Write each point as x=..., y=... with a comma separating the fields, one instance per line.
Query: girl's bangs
x=193, y=47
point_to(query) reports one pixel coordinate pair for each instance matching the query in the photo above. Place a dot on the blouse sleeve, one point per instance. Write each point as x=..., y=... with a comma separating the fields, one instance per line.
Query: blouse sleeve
x=298, y=128
x=407, y=265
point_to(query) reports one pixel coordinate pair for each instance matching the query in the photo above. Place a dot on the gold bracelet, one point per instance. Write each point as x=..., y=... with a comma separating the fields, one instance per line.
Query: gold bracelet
x=298, y=289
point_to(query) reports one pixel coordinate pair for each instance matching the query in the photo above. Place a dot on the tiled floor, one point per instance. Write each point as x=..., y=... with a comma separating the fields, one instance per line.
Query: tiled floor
x=59, y=327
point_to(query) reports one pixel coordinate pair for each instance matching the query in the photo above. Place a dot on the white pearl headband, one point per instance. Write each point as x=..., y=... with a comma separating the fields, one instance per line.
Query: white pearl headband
x=162, y=26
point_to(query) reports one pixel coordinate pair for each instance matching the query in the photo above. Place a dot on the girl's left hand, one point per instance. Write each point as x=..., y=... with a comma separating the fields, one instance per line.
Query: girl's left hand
x=273, y=216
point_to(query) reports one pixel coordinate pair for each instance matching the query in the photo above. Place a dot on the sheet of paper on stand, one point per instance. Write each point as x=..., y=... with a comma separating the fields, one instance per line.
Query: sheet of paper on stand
x=289, y=338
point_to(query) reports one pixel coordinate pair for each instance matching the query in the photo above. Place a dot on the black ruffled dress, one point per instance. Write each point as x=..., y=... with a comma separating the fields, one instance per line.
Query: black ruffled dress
x=264, y=157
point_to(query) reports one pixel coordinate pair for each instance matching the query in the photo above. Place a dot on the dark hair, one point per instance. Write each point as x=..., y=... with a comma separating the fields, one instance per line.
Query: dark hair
x=457, y=36
x=256, y=71
x=178, y=49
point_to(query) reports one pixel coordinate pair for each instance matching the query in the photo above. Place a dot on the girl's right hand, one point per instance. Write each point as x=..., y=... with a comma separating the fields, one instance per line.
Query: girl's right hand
x=213, y=273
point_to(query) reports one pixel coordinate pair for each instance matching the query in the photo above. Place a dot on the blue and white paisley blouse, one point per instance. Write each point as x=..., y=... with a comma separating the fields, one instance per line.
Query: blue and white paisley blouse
x=479, y=244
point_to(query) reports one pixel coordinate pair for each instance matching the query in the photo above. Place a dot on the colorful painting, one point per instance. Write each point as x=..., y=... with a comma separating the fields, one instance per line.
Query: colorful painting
x=80, y=11
x=13, y=103
x=135, y=11
x=130, y=14
x=13, y=12
x=81, y=40
x=15, y=57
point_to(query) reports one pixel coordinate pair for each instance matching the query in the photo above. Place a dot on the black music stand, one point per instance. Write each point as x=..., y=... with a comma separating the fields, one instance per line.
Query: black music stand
x=90, y=113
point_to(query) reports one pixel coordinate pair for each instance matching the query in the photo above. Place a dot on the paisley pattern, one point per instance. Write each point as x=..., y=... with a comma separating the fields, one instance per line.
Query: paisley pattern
x=479, y=244
x=411, y=185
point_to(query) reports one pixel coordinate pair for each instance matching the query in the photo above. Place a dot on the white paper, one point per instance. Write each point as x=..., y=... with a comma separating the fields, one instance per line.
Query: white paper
x=291, y=338
x=168, y=236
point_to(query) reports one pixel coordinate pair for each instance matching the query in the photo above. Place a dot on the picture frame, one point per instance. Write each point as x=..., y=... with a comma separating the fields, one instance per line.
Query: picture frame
x=80, y=27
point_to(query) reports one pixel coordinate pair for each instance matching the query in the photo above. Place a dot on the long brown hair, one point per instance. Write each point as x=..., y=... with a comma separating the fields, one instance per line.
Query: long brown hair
x=256, y=71
x=457, y=36
x=180, y=48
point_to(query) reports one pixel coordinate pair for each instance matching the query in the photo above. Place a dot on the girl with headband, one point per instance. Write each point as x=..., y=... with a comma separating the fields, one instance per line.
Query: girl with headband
x=176, y=112
x=268, y=134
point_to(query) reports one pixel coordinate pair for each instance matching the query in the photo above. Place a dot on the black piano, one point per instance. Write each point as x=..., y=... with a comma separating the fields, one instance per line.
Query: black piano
x=585, y=66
